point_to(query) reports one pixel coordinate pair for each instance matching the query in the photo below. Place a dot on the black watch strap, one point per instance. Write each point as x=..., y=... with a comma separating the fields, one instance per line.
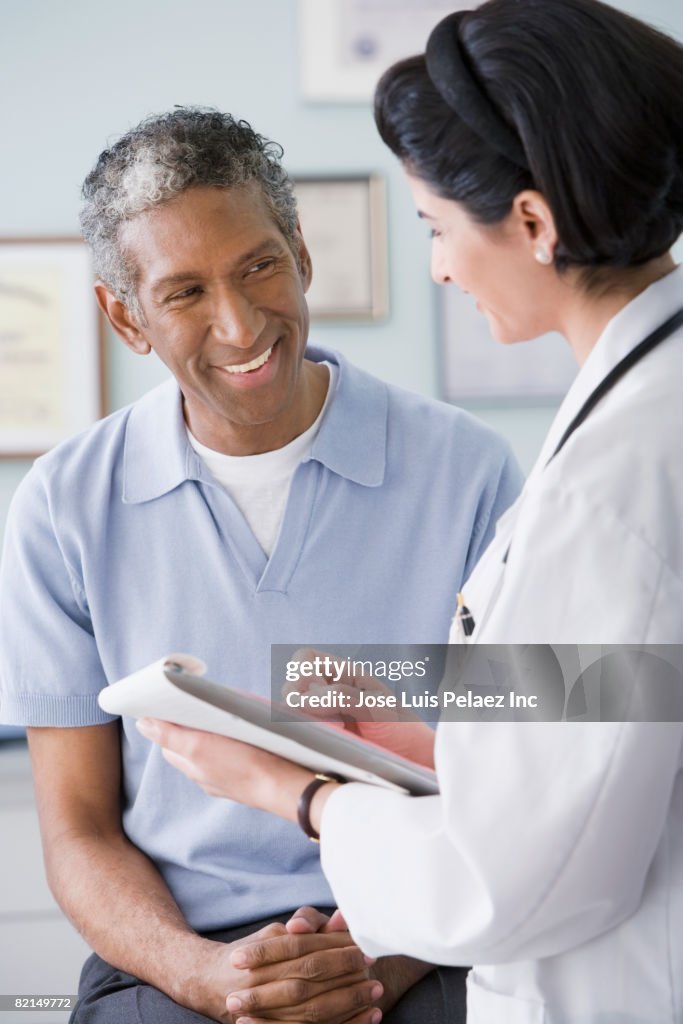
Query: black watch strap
x=303, y=810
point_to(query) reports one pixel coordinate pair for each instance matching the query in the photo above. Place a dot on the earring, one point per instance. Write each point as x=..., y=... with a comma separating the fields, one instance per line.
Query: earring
x=543, y=256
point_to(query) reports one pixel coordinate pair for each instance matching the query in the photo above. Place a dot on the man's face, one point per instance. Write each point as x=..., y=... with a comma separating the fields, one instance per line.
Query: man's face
x=223, y=297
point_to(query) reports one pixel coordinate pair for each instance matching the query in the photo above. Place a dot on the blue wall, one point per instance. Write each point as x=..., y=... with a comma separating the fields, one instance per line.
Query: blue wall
x=74, y=75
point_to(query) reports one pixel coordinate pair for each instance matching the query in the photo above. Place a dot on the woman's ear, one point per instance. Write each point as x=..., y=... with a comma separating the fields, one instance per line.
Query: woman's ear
x=537, y=224
x=122, y=320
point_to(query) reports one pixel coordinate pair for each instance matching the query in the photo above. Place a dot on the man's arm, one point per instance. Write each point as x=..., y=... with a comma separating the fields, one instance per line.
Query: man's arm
x=270, y=783
x=121, y=905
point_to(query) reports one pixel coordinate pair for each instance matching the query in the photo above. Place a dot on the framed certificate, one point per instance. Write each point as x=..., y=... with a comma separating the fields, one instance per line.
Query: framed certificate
x=475, y=367
x=343, y=221
x=51, y=339
x=347, y=44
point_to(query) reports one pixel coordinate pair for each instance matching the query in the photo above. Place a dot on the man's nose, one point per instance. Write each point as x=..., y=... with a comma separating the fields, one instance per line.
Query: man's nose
x=236, y=320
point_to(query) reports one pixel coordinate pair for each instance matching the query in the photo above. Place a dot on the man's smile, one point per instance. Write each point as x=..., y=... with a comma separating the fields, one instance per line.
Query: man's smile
x=253, y=365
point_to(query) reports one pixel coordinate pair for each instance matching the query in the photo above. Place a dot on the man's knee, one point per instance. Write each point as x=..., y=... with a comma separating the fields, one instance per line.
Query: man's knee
x=438, y=998
x=109, y=996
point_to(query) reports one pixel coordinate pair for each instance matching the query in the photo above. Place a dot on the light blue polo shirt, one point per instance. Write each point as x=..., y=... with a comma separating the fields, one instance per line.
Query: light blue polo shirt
x=122, y=548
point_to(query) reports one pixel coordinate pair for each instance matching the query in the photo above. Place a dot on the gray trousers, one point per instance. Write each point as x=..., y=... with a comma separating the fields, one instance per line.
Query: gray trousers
x=109, y=996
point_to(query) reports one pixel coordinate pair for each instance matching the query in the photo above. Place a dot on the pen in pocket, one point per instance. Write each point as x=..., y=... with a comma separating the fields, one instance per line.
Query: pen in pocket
x=464, y=617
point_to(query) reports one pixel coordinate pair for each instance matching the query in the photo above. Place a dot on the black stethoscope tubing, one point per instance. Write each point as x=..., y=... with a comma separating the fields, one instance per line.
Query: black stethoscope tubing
x=617, y=372
x=607, y=383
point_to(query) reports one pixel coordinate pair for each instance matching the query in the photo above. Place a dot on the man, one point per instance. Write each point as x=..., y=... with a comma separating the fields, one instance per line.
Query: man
x=269, y=493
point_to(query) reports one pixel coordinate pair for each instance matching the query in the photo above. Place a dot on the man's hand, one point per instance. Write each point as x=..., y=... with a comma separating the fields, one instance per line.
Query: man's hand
x=277, y=975
x=396, y=974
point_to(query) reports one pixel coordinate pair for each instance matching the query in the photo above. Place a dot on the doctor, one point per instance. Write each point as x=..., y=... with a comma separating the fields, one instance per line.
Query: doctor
x=543, y=145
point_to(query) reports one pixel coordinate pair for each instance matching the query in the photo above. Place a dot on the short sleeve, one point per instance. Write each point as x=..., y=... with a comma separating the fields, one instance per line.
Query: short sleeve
x=50, y=671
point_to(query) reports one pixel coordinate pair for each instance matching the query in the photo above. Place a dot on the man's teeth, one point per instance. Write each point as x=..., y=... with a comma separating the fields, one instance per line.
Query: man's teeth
x=253, y=365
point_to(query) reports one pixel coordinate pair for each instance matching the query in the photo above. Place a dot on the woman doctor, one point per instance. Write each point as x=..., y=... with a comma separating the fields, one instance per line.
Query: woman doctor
x=543, y=144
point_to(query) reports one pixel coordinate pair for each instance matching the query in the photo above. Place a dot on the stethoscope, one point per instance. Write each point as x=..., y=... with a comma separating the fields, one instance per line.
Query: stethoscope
x=614, y=376
x=660, y=334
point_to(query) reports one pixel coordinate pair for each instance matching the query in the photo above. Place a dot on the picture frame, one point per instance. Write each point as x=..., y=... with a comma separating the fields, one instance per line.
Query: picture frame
x=478, y=369
x=343, y=222
x=346, y=45
x=51, y=344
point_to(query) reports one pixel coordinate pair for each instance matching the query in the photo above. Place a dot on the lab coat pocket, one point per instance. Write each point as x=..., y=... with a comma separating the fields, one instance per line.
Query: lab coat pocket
x=485, y=1006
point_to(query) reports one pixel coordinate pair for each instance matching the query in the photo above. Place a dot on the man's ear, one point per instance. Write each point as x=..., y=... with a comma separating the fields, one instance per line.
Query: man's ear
x=122, y=320
x=304, y=259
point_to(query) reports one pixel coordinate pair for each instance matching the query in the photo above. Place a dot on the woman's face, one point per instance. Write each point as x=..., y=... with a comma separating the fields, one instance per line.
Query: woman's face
x=494, y=263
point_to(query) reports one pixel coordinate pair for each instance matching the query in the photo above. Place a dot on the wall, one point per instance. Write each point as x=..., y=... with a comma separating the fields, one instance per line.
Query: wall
x=75, y=74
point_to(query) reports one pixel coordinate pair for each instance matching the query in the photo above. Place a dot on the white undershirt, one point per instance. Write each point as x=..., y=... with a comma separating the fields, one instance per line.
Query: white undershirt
x=259, y=484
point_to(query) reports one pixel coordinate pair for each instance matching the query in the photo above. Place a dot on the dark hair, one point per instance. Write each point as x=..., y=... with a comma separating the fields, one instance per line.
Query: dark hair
x=570, y=97
x=162, y=157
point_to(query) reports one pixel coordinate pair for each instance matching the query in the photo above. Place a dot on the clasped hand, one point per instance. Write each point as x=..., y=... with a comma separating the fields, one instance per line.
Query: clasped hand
x=307, y=970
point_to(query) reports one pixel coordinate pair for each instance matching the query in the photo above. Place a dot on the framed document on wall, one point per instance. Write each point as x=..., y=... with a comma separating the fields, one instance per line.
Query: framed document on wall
x=475, y=367
x=51, y=339
x=343, y=221
x=347, y=44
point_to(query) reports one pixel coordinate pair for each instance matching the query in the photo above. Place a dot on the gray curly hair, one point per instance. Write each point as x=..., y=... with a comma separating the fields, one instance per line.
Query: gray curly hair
x=162, y=157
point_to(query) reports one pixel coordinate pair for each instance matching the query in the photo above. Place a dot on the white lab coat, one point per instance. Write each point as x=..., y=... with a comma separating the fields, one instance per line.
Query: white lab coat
x=553, y=859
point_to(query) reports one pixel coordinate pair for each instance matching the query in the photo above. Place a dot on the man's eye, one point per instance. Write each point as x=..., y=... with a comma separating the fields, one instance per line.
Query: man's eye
x=261, y=265
x=434, y=233
x=184, y=294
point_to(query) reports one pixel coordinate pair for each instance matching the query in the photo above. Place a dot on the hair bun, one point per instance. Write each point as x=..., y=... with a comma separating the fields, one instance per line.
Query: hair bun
x=453, y=76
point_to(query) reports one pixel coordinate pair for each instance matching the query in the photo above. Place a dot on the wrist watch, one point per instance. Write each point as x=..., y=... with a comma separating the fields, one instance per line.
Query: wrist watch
x=303, y=809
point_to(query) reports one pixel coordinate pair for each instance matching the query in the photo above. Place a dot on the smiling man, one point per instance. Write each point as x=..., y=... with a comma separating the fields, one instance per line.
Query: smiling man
x=266, y=493
x=223, y=294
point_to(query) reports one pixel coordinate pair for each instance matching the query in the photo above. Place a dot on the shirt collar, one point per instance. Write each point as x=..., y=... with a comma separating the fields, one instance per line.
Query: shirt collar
x=352, y=438
x=351, y=441
x=628, y=328
x=157, y=454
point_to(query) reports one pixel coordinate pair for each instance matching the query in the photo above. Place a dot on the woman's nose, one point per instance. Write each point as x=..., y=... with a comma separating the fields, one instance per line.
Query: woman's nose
x=439, y=269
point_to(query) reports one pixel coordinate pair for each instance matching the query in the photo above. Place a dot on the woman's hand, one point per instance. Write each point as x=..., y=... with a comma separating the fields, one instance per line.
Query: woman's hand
x=393, y=728
x=228, y=768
